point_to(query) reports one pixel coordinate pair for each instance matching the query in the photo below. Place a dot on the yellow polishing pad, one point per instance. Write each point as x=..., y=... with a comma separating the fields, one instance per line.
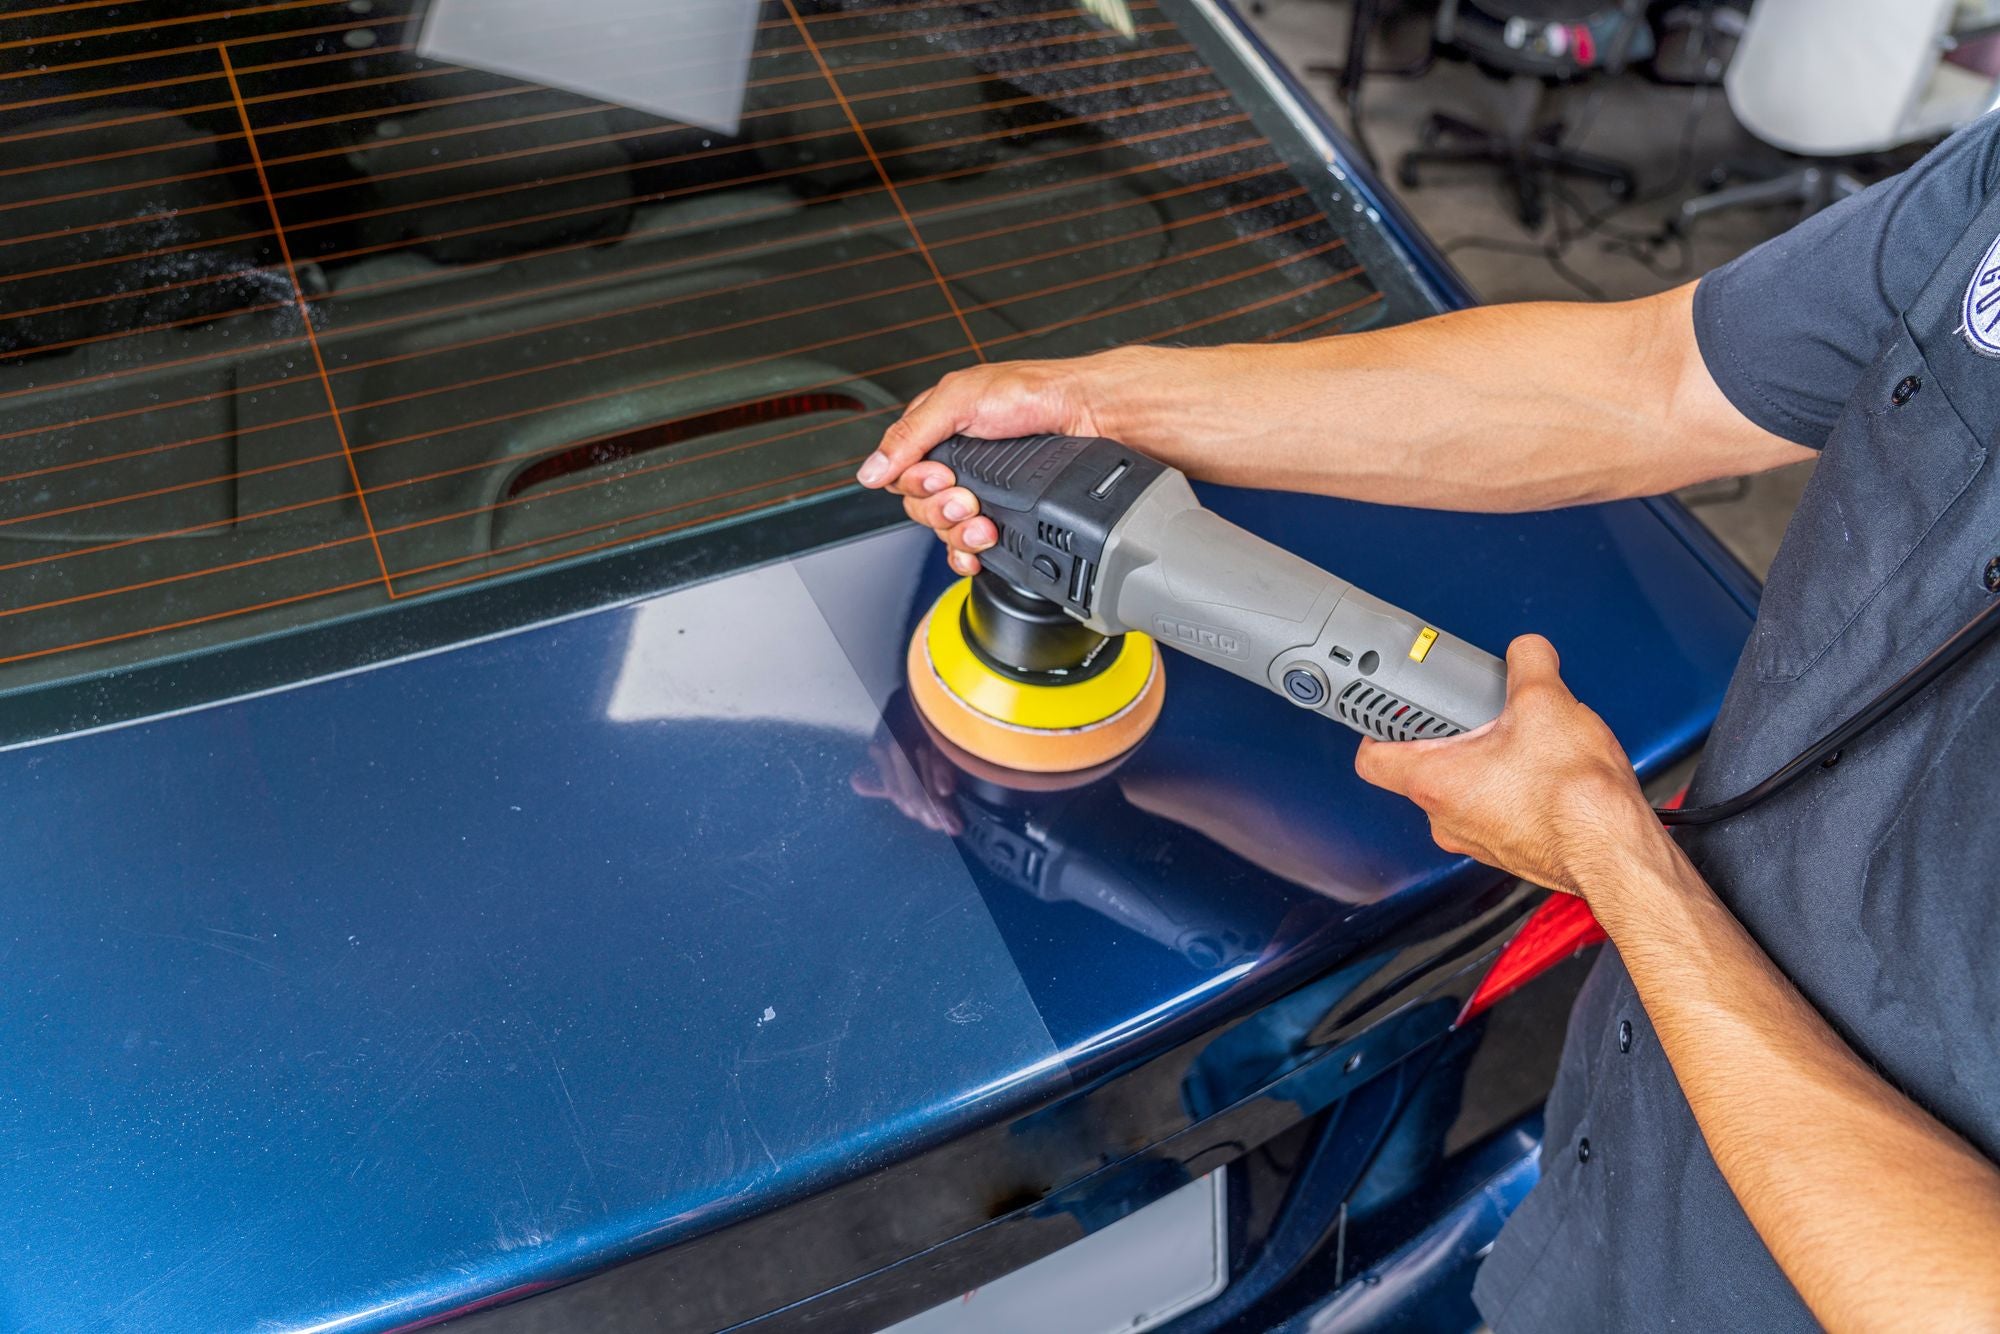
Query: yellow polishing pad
x=1031, y=727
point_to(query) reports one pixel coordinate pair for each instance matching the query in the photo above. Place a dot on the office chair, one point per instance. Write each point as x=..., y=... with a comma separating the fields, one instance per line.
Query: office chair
x=1363, y=18
x=1533, y=45
x=1831, y=81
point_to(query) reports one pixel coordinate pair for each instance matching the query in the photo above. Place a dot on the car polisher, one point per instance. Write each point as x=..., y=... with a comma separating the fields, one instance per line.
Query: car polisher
x=1046, y=661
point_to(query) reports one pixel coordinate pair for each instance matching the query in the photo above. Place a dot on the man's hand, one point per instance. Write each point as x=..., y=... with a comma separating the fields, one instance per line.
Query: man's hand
x=1543, y=791
x=1833, y=1166
x=992, y=402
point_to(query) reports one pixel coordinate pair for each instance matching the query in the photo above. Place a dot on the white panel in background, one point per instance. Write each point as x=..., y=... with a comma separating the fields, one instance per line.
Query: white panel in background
x=1132, y=1276
x=682, y=60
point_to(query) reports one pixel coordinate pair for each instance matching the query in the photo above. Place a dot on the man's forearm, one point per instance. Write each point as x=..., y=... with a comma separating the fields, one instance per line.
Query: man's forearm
x=1879, y=1214
x=1511, y=407
x=1501, y=408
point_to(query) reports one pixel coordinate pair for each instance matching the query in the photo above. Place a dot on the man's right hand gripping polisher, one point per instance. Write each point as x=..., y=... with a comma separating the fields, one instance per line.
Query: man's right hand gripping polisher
x=1046, y=660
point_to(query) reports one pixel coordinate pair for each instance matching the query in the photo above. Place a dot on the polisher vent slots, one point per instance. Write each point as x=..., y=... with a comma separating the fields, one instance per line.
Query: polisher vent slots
x=1046, y=660
x=1380, y=714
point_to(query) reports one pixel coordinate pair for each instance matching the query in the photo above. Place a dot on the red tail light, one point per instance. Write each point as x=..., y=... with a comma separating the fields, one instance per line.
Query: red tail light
x=1560, y=929
x=1553, y=932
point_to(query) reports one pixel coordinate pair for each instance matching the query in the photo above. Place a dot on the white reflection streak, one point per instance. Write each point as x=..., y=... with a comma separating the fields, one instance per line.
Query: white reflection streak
x=347, y=1321
x=1113, y=14
x=637, y=53
x=748, y=648
x=1123, y=1029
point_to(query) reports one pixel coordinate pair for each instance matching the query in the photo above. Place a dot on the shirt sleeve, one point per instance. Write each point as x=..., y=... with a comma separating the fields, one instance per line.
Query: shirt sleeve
x=1787, y=329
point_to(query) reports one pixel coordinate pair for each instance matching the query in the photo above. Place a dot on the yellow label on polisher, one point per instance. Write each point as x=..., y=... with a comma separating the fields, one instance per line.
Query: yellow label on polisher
x=1421, y=649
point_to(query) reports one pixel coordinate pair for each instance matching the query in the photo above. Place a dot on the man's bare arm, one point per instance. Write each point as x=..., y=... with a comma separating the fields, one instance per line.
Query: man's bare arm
x=1512, y=407
x=1879, y=1214
x=1881, y=1217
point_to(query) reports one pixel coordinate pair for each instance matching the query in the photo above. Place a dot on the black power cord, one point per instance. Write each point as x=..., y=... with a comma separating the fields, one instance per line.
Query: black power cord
x=1826, y=751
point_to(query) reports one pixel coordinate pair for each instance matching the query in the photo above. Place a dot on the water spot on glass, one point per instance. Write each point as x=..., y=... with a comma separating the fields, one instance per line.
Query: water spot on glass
x=360, y=39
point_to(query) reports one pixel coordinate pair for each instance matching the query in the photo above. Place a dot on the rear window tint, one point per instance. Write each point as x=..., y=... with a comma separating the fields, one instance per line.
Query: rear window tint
x=297, y=322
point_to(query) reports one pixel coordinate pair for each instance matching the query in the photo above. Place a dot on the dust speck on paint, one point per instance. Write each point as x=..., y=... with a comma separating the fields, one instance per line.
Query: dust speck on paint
x=768, y=1015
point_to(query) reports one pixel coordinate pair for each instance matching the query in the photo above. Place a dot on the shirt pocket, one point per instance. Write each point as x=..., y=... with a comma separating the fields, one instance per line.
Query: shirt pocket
x=1885, y=479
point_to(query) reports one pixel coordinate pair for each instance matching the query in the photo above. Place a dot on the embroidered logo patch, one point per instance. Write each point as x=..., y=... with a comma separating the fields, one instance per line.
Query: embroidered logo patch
x=1981, y=325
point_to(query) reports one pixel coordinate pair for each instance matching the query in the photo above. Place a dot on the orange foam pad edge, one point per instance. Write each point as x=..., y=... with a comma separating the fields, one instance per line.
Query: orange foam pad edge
x=1030, y=749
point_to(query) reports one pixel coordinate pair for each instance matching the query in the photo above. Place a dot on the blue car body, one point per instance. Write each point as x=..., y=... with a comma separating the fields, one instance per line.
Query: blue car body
x=429, y=985
x=545, y=956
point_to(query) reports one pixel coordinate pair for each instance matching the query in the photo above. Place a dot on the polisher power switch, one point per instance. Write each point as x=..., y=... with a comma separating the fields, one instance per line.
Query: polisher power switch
x=1133, y=549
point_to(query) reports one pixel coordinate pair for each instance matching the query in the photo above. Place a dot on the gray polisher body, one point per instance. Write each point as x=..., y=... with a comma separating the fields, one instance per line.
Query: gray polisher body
x=1120, y=543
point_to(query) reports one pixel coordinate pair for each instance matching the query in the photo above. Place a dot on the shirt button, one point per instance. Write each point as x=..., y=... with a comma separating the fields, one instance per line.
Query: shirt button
x=1624, y=1035
x=1905, y=390
x=1583, y=1150
x=1992, y=575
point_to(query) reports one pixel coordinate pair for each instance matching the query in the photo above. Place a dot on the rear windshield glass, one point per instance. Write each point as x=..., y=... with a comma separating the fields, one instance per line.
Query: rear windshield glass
x=308, y=309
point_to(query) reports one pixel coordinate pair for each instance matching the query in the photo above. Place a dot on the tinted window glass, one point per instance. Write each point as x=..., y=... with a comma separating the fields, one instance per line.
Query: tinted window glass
x=298, y=321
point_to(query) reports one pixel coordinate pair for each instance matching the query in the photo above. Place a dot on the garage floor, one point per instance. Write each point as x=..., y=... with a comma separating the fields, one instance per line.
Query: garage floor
x=1672, y=137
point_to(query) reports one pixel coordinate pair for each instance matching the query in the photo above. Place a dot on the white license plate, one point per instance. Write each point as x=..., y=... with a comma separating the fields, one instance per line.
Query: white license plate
x=1136, y=1274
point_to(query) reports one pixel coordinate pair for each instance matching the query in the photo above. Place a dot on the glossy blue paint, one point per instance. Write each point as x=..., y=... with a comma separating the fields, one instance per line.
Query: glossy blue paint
x=361, y=1002
x=352, y=1004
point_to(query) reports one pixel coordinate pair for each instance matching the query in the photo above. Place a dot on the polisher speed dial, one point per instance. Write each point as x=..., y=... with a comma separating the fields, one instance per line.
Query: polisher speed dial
x=1120, y=543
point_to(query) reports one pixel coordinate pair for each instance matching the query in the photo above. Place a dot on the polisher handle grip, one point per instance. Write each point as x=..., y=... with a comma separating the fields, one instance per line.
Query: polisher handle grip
x=1196, y=581
x=1053, y=500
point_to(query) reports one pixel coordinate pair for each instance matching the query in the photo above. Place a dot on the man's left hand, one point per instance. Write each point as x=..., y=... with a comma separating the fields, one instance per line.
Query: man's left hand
x=1543, y=792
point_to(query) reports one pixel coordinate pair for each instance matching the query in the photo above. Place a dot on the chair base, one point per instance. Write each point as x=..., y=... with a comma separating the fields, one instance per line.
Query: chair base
x=1528, y=160
x=1810, y=188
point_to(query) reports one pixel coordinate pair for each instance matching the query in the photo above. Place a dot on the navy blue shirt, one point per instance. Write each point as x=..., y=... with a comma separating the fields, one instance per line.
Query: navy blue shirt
x=1872, y=333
